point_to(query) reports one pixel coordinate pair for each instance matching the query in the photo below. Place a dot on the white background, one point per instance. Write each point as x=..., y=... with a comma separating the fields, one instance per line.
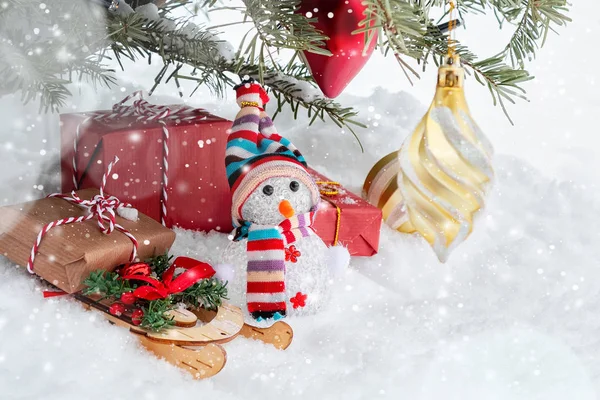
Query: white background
x=512, y=315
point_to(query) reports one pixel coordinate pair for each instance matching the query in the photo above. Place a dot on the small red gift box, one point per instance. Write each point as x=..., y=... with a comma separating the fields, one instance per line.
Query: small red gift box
x=174, y=156
x=345, y=218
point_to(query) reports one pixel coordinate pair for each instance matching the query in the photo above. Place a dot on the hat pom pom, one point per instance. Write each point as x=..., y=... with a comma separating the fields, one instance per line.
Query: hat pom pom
x=339, y=259
x=250, y=93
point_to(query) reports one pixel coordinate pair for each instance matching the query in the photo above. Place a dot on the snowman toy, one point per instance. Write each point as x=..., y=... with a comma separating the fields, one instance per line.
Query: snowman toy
x=280, y=266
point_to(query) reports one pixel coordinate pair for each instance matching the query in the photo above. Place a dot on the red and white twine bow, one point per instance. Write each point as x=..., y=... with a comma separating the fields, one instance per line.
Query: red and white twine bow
x=101, y=207
x=144, y=111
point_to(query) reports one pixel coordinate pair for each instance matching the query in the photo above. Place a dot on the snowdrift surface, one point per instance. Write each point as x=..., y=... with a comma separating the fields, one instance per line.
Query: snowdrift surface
x=512, y=315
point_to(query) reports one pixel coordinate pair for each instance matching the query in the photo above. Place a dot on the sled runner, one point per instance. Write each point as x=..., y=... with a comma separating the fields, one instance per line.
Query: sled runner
x=194, y=343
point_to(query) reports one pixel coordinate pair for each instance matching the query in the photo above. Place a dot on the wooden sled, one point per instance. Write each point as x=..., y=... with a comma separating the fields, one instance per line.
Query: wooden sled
x=197, y=348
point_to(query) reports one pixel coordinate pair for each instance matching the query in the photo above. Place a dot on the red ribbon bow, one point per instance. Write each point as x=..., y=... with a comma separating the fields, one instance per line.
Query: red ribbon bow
x=195, y=271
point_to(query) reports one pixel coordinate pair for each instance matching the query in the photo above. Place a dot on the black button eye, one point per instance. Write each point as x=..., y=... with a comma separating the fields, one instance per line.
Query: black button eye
x=294, y=186
x=268, y=190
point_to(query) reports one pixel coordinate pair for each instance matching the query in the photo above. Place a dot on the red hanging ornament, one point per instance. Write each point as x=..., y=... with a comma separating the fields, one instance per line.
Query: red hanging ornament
x=136, y=316
x=337, y=19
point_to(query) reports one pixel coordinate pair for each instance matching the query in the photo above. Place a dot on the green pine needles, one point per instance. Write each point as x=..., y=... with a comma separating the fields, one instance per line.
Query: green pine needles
x=410, y=32
x=160, y=263
x=154, y=318
x=206, y=293
x=44, y=49
x=108, y=284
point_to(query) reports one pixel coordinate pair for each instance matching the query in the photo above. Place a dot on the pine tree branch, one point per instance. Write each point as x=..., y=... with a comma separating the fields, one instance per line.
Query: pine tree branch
x=135, y=37
x=279, y=25
x=501, y=80
x=399, y=21
x=504, y=82
x=175, y=41
x=40, y=58
x=410, y=32
x=405, y=28
x=533, y=20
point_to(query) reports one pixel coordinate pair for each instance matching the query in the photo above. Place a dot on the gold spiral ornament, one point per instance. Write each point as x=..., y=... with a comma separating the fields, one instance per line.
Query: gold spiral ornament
x=438, y=179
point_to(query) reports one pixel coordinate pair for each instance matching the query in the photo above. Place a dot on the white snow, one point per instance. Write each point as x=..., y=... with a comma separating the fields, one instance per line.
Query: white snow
x=302, y=90
x=512, y=315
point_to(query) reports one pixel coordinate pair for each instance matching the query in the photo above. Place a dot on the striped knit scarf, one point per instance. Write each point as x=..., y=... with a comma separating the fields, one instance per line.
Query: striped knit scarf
x=266, y=263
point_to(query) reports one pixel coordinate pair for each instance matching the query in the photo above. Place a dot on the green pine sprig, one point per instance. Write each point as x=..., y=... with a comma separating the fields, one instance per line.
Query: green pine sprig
x=107, y=284
x=87, y=36
x=159, y=264
x=154, y=318
x=208, y=293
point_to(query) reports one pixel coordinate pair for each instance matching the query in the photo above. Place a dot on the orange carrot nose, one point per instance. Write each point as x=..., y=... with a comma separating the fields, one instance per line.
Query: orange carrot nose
x=286, y=209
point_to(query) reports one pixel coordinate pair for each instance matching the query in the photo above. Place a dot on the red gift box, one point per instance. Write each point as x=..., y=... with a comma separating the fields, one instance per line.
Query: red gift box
x=345, y=218
x=171, y=167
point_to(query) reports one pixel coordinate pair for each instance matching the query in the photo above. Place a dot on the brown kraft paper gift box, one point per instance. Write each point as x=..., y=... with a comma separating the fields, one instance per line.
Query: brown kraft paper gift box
x=68, y=253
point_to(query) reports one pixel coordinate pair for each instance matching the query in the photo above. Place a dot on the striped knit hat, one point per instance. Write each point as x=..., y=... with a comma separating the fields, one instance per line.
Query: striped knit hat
x=255, y=152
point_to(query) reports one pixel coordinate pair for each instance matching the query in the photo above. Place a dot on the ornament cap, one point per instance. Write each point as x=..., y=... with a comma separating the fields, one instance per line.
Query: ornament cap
x=451, y=74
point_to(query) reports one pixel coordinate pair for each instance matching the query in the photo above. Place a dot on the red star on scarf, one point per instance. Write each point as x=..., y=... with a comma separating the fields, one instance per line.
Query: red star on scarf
x=291, y=254
x=299, y=300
